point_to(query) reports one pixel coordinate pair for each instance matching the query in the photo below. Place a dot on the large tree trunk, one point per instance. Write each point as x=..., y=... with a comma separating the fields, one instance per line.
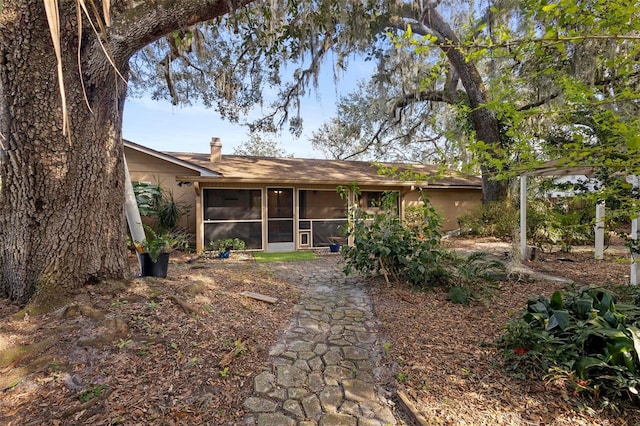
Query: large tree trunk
x=61, y=201
x=485, y=122
x=61, y=198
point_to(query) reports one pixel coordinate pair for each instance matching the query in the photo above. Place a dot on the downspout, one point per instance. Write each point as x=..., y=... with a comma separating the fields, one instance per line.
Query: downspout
x=131, y=210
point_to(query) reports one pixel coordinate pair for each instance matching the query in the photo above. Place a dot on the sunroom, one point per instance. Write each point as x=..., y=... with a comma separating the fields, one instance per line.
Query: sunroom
x=278, y=218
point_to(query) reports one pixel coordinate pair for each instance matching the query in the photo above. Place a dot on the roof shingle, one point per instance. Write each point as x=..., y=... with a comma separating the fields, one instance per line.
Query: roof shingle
x=304, y=170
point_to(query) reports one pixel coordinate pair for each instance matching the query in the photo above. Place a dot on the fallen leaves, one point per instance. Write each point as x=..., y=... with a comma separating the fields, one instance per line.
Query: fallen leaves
x=447, y=363
x=155, y=348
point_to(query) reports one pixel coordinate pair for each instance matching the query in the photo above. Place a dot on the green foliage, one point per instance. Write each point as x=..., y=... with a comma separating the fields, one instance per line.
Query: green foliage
x=91, y=393
x=475, y=274
x=411, y=251
x=495, y=219
x=549, y=222
x=383, y=245
x=159, y=204
x=583, y=335
x=459, y=295
x=157, y=243
x=227, y=243
x=562, y=227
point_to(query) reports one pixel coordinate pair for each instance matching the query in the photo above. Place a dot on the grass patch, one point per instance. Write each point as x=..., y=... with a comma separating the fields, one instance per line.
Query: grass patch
x=290, y=256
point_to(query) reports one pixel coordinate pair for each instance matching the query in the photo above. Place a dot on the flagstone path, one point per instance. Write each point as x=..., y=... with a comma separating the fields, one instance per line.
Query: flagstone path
x=326, y=369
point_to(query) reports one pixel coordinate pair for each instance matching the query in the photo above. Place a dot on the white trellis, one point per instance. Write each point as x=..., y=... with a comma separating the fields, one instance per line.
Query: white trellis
x=552, y=170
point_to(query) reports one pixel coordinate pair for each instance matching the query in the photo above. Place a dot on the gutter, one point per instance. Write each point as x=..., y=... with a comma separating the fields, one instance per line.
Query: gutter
x=298, y=182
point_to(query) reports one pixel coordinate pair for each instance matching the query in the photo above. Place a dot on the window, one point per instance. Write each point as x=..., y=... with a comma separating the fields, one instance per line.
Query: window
x=233, y=213
x=323, y=214
x=371, y=201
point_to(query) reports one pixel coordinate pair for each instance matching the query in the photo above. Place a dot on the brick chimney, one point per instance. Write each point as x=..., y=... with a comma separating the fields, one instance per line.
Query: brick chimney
x=216, y=150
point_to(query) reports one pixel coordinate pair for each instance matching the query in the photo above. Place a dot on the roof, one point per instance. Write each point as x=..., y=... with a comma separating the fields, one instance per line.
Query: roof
x=315, y=171
x=203, y=171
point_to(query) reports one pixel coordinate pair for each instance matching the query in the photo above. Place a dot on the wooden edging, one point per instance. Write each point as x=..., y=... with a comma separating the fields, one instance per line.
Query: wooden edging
x=259, y=296
x=410, y=409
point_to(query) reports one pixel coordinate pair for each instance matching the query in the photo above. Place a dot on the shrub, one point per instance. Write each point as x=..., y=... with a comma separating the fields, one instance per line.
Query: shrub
x=228, y=243
x=494, y=219
x=584, y=336
x=476, y=274
x=382, y=245
x=548, y=223
x=561, y=226
x=159, y=204
x=411, y=252
x=459, y=295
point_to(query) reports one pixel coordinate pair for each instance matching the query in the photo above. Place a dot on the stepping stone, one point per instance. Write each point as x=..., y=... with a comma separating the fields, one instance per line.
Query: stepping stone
x=290, y=376
x=275, y=419
x=259, y=405
x=359, y=391
x=312, y=407
x=338, y=420
x=264, y=382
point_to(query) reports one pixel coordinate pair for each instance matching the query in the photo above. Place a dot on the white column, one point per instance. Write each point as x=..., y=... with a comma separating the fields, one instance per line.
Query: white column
x=634, y=236
x=523, y=217
x=599, y=231
x=131, y=208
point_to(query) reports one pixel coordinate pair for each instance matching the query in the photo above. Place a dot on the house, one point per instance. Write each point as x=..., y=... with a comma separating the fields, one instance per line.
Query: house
x=278, y=204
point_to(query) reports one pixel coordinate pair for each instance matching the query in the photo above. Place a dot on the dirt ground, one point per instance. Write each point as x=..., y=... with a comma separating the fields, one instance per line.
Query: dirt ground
x=447, y=361
x=181, y=350
x=184, y=350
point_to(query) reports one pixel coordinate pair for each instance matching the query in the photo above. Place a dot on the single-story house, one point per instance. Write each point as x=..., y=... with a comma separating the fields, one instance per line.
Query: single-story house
x=277, y=204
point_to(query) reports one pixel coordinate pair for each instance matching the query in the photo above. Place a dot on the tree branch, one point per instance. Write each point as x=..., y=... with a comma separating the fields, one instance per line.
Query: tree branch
x=426, y=95
x=143, y=24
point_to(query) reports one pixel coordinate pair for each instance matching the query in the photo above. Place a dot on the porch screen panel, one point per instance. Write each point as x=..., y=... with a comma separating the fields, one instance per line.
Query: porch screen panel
x=280, y=231
x=232, y=204
x=233, y=213
x=326, y=232
x=249, y=232
x=324, y=213
x=315, y=204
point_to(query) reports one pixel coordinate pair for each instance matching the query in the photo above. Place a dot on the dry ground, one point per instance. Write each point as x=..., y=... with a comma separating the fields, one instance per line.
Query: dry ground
x=181, y=350
x=447, y=361
x=184, y=350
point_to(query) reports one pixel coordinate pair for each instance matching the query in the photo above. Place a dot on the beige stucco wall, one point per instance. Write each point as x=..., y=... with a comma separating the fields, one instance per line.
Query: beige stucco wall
x=450, y=203
x=146, y=168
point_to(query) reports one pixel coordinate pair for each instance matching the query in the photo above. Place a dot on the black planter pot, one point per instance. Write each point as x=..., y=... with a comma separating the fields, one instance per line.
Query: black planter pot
x=153, y=269
x=334, y=247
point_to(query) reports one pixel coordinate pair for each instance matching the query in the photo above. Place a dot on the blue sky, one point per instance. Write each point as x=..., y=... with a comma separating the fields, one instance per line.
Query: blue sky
x=161, y=126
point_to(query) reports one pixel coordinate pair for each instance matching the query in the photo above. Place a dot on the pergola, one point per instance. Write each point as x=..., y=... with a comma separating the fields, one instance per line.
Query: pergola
x=553, y=168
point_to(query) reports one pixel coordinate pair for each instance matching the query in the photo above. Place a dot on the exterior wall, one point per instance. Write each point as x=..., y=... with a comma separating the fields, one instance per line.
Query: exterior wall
x=147, y=168
x=449, y=203
x=318, y=209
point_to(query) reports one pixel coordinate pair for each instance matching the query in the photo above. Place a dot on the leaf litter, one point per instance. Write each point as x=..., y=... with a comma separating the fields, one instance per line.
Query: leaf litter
x=184, y=350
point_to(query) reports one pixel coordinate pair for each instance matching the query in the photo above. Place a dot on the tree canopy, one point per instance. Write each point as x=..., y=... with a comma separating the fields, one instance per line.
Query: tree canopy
x=562, y=79
x=518, y=81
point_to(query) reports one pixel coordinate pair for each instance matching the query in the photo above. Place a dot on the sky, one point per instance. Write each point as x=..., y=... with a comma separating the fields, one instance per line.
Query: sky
x=164, y=127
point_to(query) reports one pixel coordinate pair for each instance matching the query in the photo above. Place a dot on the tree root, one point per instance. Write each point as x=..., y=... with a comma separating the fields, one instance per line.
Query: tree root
x=84, y=406
x=188, y=309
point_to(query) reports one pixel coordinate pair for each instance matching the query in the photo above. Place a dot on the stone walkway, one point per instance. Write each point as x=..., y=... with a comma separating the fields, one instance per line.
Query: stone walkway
x=326, y=368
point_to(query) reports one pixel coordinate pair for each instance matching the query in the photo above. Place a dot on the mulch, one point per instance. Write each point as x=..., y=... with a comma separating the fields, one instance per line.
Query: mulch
x=184, y=350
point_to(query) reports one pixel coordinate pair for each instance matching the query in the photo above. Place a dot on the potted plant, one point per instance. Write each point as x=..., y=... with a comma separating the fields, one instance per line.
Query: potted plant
x=225, y=246
x=153, y=253
x=334, y=244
